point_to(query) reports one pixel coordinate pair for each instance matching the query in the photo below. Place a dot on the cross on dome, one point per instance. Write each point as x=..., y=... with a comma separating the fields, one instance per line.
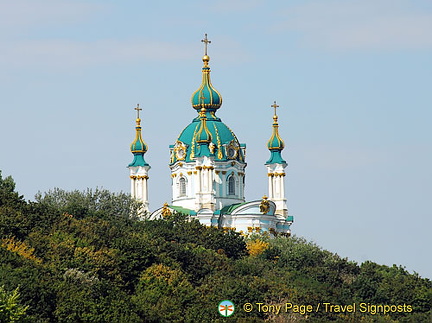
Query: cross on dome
x=138, y=109
x=275, y=106
x=206, y=42
x=212, y=100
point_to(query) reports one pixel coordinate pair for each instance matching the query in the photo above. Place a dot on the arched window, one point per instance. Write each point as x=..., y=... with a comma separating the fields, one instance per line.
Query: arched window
x=231, y=185
x=182, y=186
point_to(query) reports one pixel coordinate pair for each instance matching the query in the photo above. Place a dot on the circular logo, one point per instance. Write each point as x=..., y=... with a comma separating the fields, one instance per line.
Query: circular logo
x=226, y=308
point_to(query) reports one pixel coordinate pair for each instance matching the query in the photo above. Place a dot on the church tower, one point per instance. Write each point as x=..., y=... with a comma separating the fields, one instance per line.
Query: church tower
x=207, y=161
x=276, y=168
x=138, y=169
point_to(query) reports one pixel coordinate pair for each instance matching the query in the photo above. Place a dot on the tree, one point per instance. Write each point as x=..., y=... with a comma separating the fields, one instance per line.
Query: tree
x=98, y=202
x=8, y=196
x=164, y=294
x=10, y=308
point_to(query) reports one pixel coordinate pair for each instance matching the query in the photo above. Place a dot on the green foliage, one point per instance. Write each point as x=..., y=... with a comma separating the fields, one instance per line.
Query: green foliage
x=178, y=228
x=89, y=257
x=12, y=220
x=10, y=308
x=8, y=196
x=99, y=202
x=163, y=294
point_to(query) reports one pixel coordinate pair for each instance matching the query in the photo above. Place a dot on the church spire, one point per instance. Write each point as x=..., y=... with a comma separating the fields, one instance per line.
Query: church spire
x=275, y=143
x=138, y=169
x=138, y=146
x=276, y=168
x=206, y=96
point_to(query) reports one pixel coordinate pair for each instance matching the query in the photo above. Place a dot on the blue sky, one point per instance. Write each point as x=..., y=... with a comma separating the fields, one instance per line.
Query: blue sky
x=352, y=78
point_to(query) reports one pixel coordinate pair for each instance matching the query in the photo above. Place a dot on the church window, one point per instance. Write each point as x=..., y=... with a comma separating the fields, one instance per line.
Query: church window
x=182, y=186
x=231, y=185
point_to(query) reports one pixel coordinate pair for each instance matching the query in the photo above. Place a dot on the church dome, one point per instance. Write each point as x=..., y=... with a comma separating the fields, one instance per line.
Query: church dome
x=206, y=96
x=222, y=142
x=138, y=147
x=206, y=129
x=275, y=143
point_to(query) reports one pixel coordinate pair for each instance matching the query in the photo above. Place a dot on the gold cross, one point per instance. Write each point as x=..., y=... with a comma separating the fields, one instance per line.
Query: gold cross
x=206, y=42
x=138, y=109
x=274, y=105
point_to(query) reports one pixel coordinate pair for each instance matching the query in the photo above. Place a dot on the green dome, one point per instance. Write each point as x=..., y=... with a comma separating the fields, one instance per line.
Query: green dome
x=206, y=96
x=223, y=145
x=275, y=144
x=138, y=147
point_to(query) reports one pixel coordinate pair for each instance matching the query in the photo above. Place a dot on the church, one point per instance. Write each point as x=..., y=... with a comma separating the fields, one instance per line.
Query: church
x=208, y=164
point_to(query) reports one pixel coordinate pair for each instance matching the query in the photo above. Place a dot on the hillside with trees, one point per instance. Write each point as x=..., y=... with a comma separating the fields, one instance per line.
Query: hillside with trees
x=89, y=257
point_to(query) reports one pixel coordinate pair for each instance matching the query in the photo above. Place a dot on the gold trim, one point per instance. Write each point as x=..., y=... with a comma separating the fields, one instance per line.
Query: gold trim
x=189, y=173
x=276, y=174
x=203, y=128
x=219, y=145
x=180, y=150
x=135, y=177
x=192, y=154
x=235, y=147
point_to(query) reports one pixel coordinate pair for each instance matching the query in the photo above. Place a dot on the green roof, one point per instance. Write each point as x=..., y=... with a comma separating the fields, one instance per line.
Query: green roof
x=230, y=208
x=138, y=160
x=222, y=138
x=275, y=157
x=182, y=210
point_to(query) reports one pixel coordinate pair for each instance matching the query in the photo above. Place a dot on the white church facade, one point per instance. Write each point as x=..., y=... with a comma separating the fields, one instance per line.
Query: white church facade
x=207, y=164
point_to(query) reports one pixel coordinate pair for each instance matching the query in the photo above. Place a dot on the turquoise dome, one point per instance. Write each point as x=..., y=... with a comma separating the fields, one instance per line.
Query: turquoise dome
x=275, y=144
x=138, y=147
x=207, y=135
x=223, y=144
x=206, y=96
